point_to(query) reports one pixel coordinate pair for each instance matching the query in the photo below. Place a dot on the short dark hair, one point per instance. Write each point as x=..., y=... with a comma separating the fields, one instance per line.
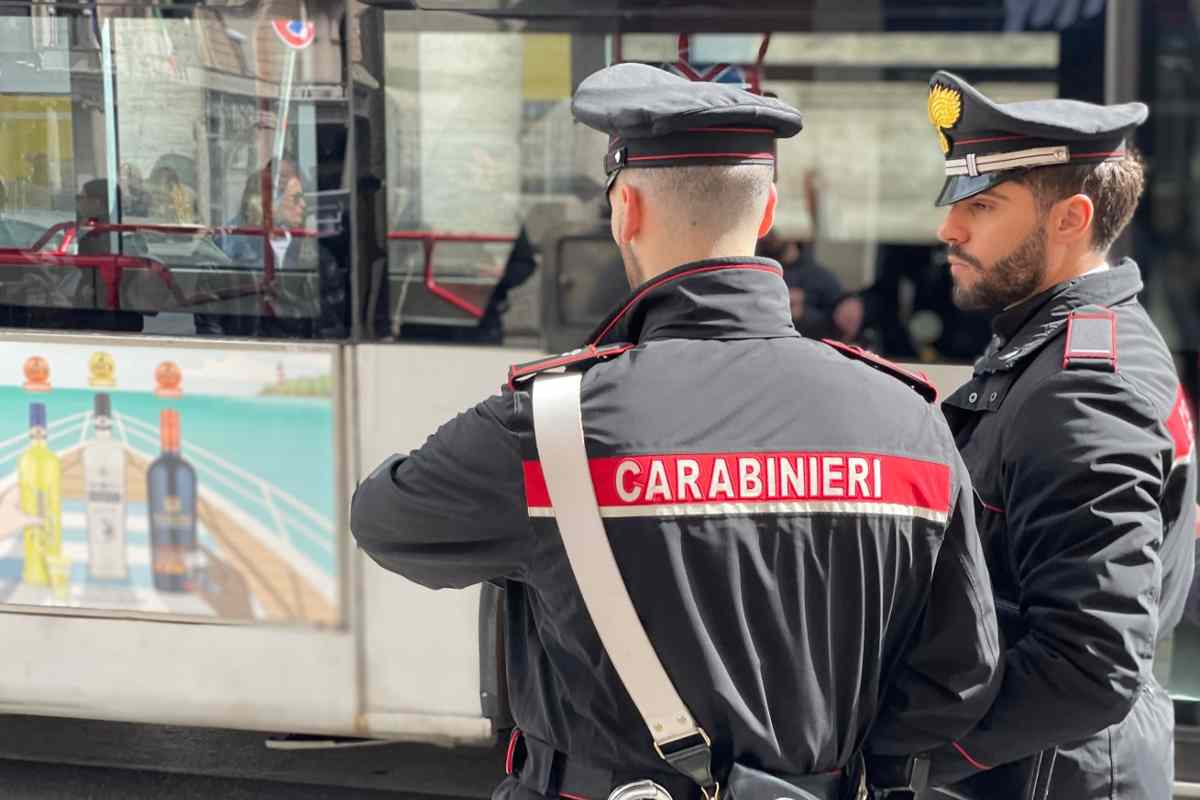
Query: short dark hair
x=1114, y=187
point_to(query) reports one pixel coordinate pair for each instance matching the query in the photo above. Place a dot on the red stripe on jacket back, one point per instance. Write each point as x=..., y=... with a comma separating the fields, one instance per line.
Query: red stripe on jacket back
x=780, y=477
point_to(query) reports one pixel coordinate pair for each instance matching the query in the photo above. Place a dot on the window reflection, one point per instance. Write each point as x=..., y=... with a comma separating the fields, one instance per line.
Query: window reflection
x=161, y=174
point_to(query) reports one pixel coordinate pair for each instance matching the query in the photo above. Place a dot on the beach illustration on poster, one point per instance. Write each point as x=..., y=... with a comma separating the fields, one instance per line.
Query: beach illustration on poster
x=172, y=480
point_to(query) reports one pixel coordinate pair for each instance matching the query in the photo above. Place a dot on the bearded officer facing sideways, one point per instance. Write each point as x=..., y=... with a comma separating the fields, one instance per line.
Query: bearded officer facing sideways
x=792, y=520
x=1078, y=437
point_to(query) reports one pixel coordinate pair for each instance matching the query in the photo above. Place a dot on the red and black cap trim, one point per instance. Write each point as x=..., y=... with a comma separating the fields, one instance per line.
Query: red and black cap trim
x=655, y=118
x=692, y=148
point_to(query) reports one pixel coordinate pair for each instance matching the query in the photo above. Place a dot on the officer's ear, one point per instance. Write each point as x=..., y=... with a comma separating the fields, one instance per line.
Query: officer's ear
x=1071, y=218
x=628, y=213
x=768, y=217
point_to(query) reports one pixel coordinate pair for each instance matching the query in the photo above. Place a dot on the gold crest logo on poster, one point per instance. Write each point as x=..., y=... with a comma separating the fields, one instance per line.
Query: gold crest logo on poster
x=945, y=110
x=102, y=370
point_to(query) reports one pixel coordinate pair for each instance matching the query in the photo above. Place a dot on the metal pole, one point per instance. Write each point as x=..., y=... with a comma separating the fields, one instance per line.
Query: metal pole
x=1122, y=28
x=285, y=100
x=111, y=145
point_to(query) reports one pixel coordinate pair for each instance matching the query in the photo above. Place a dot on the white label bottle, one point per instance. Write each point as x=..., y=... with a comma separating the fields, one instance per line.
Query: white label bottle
x=104, y=486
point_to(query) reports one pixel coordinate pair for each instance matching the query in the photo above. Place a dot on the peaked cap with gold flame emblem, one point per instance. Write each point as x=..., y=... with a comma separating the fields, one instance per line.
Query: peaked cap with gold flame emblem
x=986, y=143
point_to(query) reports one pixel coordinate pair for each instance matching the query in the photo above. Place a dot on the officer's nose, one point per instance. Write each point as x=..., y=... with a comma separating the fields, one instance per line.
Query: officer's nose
x=952, y=231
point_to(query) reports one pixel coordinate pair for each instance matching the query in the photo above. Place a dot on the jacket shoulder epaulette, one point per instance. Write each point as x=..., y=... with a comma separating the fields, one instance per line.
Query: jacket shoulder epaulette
x=1091, y=339
x=573, y=359
x=917, y=380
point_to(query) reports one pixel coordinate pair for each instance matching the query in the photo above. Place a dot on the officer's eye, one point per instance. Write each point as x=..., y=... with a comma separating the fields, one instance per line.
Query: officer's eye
x=978, y=206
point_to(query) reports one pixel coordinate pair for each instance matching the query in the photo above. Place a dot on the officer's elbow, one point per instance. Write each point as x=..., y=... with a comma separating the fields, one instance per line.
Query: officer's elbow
x=373, y=511
x=367, y=524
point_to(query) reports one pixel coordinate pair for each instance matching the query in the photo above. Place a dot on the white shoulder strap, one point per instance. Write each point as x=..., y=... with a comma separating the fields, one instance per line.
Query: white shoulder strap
x=558, y=428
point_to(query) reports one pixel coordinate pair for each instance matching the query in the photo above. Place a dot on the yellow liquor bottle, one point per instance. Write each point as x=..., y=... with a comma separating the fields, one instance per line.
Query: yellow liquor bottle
x=39, y=476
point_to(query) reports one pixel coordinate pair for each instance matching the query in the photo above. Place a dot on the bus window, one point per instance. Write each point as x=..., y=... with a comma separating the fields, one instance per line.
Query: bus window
x=483, y=160
x=172, y=174
x=485, y=171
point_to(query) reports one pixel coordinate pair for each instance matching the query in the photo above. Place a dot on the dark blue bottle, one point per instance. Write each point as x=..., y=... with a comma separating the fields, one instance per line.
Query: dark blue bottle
x=171, y=496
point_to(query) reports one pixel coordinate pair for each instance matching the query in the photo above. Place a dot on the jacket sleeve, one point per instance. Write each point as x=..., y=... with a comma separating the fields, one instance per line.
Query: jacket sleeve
x=452, y=513
x=950, y=673
x=1083, y=475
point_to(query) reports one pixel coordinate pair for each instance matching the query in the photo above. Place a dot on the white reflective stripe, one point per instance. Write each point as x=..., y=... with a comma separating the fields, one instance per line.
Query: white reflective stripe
x=995, y=162
x=848, y=508
x=558, y=428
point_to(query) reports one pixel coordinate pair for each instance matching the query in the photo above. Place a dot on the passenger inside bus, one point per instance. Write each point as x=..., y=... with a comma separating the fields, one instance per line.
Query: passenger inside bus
x=66, y=296
x=290, y=248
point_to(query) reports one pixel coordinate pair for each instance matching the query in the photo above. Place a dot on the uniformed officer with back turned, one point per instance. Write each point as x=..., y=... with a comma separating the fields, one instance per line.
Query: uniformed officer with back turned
x=1077, y=435
x=791, y=519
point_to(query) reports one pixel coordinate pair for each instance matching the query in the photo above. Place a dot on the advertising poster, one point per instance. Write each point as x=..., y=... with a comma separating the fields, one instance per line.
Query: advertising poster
x=170, y=480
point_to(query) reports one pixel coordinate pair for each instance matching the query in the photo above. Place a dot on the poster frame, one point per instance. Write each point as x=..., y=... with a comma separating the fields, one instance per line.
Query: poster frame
x=342, y=482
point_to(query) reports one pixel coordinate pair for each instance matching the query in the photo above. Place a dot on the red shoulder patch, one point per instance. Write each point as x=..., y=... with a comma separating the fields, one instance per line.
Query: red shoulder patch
x=521, y=372
x=917, y=380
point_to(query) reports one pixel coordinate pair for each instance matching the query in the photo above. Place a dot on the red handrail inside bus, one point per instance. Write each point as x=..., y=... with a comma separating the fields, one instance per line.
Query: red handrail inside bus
x=429, y=240
x=111, y=265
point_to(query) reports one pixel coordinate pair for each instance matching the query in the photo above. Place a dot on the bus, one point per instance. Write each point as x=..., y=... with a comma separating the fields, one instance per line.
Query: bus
x=250, y=248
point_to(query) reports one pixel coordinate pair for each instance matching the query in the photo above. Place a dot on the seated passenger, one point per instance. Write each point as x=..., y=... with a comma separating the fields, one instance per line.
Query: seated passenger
x=246, y=249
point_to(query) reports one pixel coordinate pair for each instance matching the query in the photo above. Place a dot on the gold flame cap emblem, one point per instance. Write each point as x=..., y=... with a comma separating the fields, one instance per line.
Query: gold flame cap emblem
x=945, y=109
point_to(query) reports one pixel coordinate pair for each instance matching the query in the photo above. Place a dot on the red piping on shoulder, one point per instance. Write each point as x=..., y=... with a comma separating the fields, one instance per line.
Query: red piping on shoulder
x=854, y=351
x=515, y=373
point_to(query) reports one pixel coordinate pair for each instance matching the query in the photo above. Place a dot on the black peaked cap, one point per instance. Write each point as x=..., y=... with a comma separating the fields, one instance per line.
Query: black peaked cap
x=986, y=143
x=656, y=119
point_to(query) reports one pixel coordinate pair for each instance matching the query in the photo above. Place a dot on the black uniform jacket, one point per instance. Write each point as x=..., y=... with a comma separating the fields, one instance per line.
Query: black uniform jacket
x=1085, y=479
x=793, y=525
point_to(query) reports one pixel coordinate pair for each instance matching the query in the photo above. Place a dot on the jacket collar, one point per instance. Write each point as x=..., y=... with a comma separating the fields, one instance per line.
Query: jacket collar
x=720, y=298
x=1021, y=330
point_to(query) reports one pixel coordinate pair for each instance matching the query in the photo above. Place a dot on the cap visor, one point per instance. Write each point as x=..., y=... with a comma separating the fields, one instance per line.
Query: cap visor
x=960, y=187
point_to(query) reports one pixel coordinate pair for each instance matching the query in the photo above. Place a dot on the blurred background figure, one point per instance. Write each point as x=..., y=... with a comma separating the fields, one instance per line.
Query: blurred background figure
x=821, y=307
x=135, y=197
x=171, y=200
x=300, y=294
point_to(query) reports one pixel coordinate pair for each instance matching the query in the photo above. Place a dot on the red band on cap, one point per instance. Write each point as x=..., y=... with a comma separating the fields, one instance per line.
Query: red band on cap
x=1109, y=154
x=983, y=139
x=672, y=156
